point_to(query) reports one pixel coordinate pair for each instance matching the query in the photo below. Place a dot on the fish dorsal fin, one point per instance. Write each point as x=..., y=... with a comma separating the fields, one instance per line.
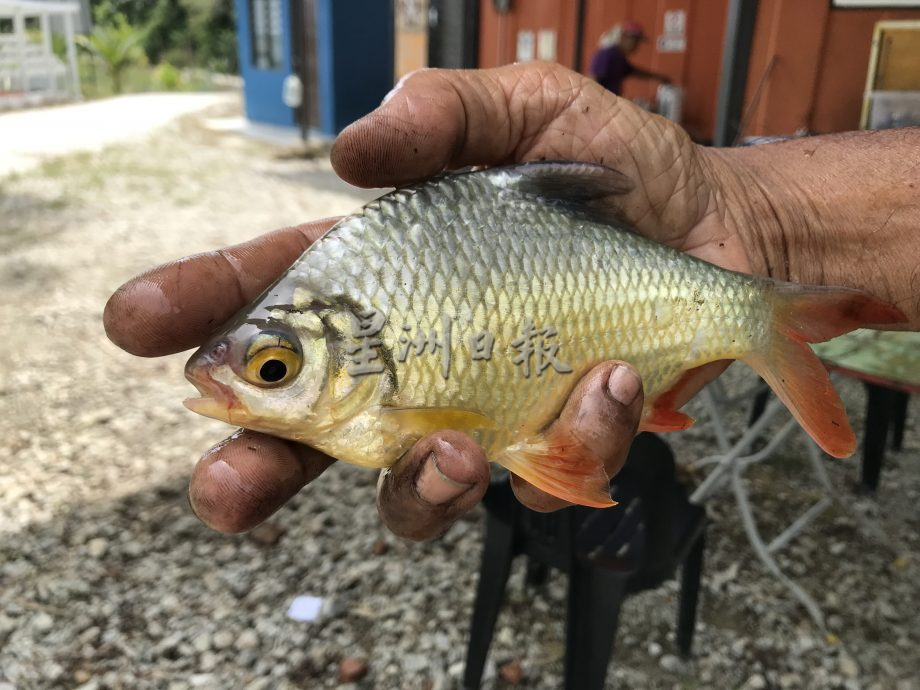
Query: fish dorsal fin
x=585, y=188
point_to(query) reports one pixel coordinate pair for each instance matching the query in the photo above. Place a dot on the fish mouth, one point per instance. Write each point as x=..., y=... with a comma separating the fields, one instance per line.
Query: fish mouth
x=217, y=400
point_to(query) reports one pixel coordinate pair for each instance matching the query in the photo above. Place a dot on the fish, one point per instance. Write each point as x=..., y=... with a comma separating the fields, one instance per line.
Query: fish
x=476, y=301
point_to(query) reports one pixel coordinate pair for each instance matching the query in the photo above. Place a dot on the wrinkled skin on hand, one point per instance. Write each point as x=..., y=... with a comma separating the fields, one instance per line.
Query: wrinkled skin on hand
x=438, y=120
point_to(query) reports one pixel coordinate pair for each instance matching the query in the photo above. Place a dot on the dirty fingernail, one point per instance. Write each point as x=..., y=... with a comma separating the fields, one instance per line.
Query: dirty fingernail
x=623, y=385
x=435, y=487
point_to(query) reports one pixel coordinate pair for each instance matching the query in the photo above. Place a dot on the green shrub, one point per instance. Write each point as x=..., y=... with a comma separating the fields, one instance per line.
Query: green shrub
x=167, y=77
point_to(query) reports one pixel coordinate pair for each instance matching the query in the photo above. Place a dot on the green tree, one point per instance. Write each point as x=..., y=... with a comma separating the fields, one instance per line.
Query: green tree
x=116, y=42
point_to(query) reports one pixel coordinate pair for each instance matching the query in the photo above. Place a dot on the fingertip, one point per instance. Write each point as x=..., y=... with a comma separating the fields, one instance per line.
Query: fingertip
x=443, y=476
x=460, y=458
x=624, y=384
x=177, y=305
x=385, y=149
x=239, y=483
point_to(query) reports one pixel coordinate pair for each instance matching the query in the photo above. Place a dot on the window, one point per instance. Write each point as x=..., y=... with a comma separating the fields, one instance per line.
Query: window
x=6, y=25
x=265, y=27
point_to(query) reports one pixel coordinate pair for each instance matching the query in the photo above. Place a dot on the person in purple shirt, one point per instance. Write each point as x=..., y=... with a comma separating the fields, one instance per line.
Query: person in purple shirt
x=610, y=64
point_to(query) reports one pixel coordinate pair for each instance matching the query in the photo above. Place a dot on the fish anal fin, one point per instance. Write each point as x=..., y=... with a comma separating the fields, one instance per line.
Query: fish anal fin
x=664, y=415
x=564, y=470
x=424, y=420
x=661, y=419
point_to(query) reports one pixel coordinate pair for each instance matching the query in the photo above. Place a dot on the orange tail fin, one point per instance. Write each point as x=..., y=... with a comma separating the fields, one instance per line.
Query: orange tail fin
x=811, y=315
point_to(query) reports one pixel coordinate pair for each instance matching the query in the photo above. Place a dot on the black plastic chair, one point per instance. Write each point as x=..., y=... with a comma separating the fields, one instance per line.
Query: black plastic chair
x=607, y=554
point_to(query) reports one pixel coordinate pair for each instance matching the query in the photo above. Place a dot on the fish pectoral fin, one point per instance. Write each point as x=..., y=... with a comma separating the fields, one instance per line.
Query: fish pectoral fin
x=563, y=470
x=424, y=420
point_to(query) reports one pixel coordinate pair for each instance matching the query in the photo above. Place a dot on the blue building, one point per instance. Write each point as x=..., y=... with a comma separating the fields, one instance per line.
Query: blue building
x=314, y=65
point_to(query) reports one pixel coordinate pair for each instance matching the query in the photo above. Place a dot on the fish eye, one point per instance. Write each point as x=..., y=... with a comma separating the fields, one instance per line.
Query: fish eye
x=272, y=359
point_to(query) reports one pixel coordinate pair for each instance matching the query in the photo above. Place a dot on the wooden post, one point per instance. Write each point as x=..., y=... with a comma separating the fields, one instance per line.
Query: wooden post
x=19, y=31
x=48, y=50
x=72, y=57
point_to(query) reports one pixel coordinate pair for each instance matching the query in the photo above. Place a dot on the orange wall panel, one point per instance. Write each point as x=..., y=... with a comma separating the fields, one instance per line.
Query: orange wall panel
x=807, y=69
x=697, y=69
x=705, y=34
x=845, y=62
x=819, y=56
x=498, y=32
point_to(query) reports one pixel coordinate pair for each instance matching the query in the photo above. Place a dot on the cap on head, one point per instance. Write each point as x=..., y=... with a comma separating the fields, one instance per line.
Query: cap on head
x=631, y=28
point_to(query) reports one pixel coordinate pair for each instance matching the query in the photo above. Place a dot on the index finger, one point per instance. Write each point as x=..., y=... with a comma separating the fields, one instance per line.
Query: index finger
x=176, y=306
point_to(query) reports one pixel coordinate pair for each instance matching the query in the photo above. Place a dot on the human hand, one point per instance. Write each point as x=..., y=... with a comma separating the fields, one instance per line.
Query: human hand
x=436, y=120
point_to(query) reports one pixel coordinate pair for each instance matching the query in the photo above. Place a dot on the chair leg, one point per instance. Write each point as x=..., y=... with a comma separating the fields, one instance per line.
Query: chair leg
x=758, y=406
x=595, y=595
x=900, y=417
x=536, y=573
x=689, y=594
x=497, y=555
x=879, y=410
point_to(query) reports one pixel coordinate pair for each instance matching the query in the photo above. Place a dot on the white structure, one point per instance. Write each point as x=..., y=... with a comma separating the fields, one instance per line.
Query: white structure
x=30, y=72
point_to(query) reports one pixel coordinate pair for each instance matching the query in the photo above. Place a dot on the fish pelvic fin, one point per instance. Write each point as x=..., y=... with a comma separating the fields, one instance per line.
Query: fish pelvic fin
x=560, y=470
x=805, y=315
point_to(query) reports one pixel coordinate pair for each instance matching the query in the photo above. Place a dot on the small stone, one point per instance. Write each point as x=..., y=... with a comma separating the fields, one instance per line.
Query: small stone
x=222, y=639
x=81, y=676
x=248, y=639
x=267, y=534
x=352, y=669
x=756, y=682
x=790, y=680
x=848, y=666
x=654, y=650
x=512, y=672
x=670, y=663
x=380, y=547
x=97, y=547
x=209, y=661
x=42, y=622
x=202, y=680
x=202, y=642
x=887, y=610
x=837, y=548
x=414, y=663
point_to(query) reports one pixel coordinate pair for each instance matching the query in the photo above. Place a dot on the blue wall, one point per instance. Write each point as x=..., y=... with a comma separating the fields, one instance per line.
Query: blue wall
x=354, y=50
x=262, y=87
x=354, y=58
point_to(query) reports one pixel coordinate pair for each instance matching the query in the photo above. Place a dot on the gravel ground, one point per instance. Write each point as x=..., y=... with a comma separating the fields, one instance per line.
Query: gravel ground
x=108, y=581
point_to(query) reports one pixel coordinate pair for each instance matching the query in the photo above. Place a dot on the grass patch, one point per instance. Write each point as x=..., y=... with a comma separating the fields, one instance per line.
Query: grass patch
x=95, y=82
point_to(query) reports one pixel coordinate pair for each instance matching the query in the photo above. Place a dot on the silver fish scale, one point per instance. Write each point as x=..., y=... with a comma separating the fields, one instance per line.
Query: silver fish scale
x=487, y=257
